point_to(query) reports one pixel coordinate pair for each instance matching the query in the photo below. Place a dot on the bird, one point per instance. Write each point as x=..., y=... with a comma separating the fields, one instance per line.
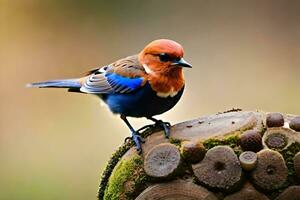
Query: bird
x=142, y=85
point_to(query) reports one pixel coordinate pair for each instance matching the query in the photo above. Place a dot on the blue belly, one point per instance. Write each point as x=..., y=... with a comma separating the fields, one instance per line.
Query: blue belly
x=141, y=103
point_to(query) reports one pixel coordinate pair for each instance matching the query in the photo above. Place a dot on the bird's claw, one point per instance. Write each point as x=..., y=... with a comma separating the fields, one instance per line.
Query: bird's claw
x=145, y=127
x=127, y=139
x=137, y=140
x=165, y=125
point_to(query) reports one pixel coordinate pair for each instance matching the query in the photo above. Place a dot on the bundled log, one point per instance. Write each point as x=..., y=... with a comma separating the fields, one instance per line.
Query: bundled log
x=192, y=151
x=176, y=190
x=248, y=192
x=271, y=171
x=279, y=138
x=275, y=120
x=231, y=155
x=220, y=169
x=296, y=161
x=291, y=193
x=248, y=160
x=251, y=141
x=162, y=160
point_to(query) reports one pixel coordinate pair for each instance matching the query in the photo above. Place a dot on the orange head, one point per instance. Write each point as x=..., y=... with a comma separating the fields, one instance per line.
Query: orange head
x=163, y=57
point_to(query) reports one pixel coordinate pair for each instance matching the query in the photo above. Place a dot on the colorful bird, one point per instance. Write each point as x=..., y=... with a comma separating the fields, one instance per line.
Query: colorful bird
x=143, y=85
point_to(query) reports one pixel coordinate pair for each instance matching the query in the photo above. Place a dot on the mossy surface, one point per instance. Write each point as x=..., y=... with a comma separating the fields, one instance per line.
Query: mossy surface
x=110, y=166
x=288, y=155
x=127, y=180
x=115, y=159
x=175, y=141
x=230, y=140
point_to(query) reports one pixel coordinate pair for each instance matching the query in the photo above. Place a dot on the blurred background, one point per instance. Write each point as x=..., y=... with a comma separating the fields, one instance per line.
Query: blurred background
x=54, y=144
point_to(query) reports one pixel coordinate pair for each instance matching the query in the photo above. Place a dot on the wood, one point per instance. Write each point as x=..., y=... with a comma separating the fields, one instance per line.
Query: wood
x=162, y=160
x=185, y=174
x=176, y=190
x=248, y=160
x=251, y=140
x=215, y=126
x=295, y=123
x=220, y=169
x=271, y=171
x=297, y=164
x=248, y=192
x=153, y=140
x=279, y=138
x=276, y=141
x=275, y=120
x=192, y=151
x=206, y=127
x=291, y=193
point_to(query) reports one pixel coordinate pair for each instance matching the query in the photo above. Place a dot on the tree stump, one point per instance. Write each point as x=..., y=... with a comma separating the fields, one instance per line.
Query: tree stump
x=230, y=155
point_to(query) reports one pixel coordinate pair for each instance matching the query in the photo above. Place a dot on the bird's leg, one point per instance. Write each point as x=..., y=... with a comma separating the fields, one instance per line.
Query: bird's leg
x=165, y=125
x=137, y=139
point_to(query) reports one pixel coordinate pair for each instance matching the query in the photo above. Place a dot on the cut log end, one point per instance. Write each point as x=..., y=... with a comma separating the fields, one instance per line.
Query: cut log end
x=271, y=171
x=192, y=151
x=275, y=120
x=220, y=169
x=295, y=123
x=251, y=140
x=248, y=160
x=297, y=165
x=276, y=141
x=278, y=138
x=291, y=193
x=162, y=160
x=176, y=190
x=248, y=192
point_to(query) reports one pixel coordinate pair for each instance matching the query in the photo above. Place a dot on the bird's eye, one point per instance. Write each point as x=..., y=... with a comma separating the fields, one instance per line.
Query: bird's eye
x=164, y=57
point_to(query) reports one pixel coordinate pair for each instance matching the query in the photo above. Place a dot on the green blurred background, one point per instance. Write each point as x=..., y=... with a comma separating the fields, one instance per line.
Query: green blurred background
x=54, y=144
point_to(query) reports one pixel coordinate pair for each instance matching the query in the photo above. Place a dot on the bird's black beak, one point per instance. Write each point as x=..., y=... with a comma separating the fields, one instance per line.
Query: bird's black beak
x=182, y=63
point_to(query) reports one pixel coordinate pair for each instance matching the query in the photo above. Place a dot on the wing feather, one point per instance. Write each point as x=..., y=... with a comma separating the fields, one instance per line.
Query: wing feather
x=123, y=76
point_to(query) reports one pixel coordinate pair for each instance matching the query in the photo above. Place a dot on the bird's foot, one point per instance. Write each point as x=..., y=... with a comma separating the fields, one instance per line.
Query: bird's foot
x=165, y=126
x=158, y=124
x=137, y=140
x=149, y=126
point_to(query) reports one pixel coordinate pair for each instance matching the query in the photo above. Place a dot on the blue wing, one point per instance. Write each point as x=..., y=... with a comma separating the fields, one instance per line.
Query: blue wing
x=112, y=78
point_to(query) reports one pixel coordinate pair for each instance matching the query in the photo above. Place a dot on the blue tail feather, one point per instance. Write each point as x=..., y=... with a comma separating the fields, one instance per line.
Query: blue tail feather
x=66, y=83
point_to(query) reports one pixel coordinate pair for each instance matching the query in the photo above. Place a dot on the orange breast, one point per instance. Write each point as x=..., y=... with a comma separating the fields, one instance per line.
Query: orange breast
x=168, y=84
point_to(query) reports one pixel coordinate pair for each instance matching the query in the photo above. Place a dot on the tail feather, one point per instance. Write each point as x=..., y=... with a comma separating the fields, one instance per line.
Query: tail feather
x=66, y=83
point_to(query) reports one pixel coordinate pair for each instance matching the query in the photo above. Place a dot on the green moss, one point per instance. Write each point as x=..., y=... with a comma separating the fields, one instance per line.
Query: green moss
x=115, y=159
x=110, y=166
x=175, y=141
x=288, y=155
x=231, y=141
x=127, y=180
